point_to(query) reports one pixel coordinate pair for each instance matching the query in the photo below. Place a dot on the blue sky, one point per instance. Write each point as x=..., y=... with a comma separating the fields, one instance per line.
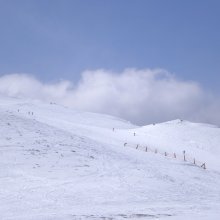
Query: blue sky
x=58, y=39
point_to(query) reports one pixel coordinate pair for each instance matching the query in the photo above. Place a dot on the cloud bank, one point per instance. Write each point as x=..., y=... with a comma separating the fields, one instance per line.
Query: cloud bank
x=141, y=96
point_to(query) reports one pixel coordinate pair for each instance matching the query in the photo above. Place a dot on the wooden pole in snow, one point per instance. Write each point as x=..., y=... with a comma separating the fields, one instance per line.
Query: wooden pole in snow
x=203, y=166
x=184, y=155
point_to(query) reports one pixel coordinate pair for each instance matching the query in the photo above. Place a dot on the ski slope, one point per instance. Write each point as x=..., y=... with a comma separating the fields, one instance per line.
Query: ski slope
x=58, y=163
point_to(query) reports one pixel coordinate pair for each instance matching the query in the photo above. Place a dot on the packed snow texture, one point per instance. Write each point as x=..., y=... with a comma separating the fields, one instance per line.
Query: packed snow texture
x=61, y=164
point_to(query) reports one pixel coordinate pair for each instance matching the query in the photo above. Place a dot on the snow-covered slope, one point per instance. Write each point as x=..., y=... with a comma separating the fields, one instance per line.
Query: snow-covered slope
x=201, y=141
x=62, y=164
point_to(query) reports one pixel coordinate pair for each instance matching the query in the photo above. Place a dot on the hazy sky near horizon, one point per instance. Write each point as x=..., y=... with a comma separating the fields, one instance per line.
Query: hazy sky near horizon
x=59, y=40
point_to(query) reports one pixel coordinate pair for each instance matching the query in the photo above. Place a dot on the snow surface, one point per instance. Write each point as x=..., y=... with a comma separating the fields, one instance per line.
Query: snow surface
x=58, y=163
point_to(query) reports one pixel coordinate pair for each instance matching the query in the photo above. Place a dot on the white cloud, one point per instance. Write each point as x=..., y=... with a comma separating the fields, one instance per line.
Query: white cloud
x=141, y=96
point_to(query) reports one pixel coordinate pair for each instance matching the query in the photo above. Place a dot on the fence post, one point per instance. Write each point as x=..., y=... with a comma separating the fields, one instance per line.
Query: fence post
x=146, y=149
x=165, y=154
x=184, y=155
x=125, y=144
x=203, y=165
x=194, y=161
x=155, y=151
x=137, y=146
x=174, y=155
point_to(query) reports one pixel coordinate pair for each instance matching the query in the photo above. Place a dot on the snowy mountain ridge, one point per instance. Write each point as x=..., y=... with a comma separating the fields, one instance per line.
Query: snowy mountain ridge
x=57, y=163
